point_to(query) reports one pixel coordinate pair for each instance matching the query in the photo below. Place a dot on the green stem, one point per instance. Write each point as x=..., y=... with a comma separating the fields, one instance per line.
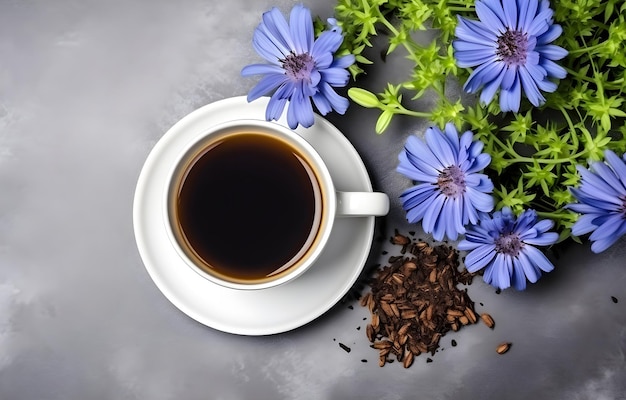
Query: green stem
x=516, y=158
x=549, y=161
x=459, y=9
x=418, y=114
x=506, y=147
x=440, y=92
x=459, y=4
x=578, y=76
x=387, y=24
x=572, y=129
x=585, y=49
x=609, y=85
x=550, y=215
x=598, y=82
x=408, y=44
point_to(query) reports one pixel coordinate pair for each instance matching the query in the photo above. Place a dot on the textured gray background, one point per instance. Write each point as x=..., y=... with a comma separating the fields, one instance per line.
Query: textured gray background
x=86, y=90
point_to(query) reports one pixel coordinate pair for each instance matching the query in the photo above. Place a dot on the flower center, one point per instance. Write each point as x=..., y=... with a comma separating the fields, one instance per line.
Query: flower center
x=298, y=66
x=509, y=244
x=451, y=181
x=512, y=47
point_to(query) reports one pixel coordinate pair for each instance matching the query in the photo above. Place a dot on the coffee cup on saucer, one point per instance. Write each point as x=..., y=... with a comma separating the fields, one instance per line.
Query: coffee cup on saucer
x=250, y=204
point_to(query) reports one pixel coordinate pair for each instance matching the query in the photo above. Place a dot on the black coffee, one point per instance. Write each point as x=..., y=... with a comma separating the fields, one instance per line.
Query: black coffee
x=248, y=207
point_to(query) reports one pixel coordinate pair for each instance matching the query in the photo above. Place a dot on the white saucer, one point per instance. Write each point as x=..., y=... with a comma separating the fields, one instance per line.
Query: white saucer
x=260, y=312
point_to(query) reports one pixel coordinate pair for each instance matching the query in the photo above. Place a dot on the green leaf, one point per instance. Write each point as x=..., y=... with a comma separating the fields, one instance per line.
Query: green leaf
x=362, y=60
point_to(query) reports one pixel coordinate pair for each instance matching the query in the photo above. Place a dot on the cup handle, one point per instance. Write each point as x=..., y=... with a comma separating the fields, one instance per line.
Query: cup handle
x=362, y=204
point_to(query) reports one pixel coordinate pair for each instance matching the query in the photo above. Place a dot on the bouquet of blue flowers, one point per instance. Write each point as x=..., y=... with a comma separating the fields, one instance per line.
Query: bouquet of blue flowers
x=534, y=158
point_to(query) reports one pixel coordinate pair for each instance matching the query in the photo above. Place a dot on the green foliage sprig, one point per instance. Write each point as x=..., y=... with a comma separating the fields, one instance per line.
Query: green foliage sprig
x=535, y=151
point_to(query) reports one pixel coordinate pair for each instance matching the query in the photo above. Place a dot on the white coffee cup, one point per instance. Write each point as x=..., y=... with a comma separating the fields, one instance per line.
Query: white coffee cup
x=219, y=226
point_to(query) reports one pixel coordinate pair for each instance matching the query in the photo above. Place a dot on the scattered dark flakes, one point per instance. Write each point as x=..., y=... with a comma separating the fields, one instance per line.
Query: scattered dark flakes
x=412, y=233
x=334, y=339
x=614, y=299
x=351, y=307
x=353, y=294
x=415, y=300
x=399, y=239
x=498, y=291
x=393, y=259
x=385, y=252
x=363, y=360
x=481, y=304
x=453, y=343
x=344, y=347
x=364, y=318
x=358, y=328
x=383, y=55
x=429, y=360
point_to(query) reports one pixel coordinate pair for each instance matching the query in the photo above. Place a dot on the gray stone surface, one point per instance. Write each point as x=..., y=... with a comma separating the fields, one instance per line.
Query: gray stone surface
x=86, y=89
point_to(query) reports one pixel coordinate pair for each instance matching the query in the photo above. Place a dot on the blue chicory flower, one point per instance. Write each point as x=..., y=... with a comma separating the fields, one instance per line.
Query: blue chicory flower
x=511, y=47
x=300, y=67
x=450, y=191
x=505, y=246
x=601, y=201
